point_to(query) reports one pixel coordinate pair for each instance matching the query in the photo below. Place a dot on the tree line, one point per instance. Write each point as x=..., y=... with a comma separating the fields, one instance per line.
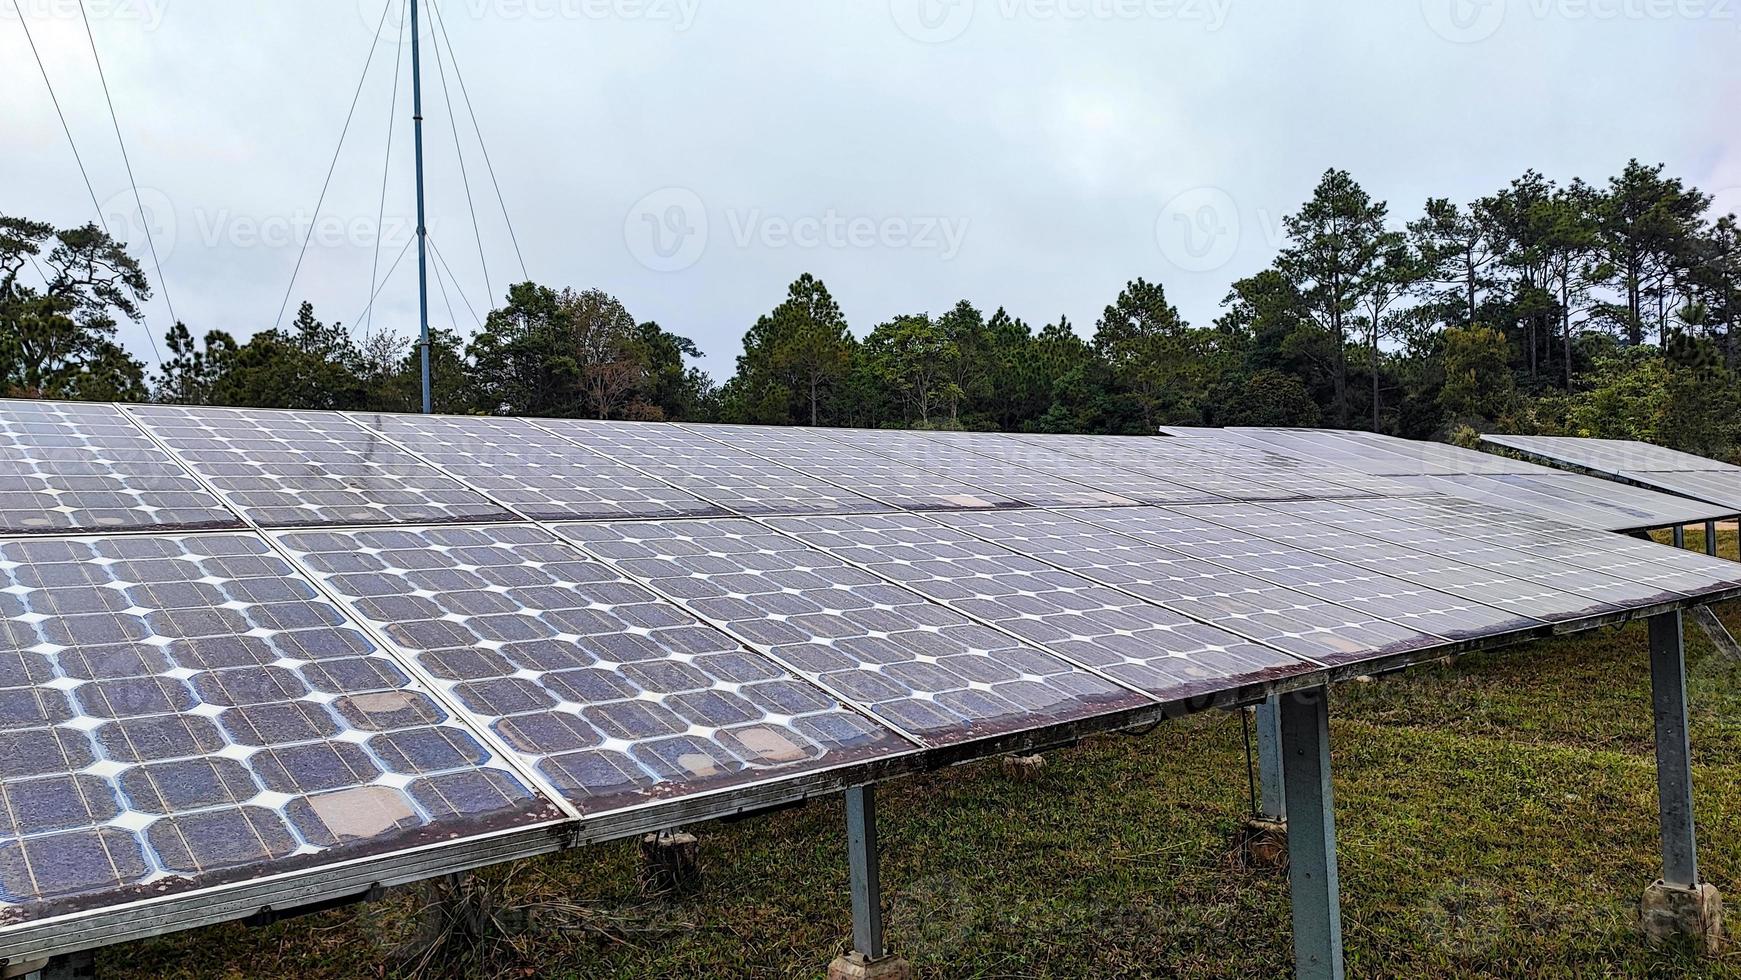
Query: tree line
x=1581, y=308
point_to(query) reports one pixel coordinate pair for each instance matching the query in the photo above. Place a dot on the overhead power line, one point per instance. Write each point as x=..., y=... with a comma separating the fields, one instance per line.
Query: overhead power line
x=489, y=166
x=321, y=200
x=150, y=240
x=386, y=167
x=25, y=23
x=369, y=310
x=464, y=177
x=462, y=297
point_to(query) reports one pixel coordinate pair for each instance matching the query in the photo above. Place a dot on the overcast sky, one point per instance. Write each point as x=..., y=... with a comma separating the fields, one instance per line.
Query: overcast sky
x=694, y=156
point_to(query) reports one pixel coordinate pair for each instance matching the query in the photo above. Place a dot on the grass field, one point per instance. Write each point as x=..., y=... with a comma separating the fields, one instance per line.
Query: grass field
x=1496, y=818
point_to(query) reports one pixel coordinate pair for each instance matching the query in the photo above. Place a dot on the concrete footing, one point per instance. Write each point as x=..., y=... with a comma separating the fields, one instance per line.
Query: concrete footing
x=670, y=863
x=1673, y=914
x=1024, y=768
x=853, y=966
x=1263, y=844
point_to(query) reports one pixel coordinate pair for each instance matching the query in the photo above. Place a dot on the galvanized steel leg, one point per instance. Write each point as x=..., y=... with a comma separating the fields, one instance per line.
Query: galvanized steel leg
x=1674, y=773
x=1680, y=536
x=1273, y=801
x=1305, y=739
x=861, y=852
x=72, y=966
x=1711, y=538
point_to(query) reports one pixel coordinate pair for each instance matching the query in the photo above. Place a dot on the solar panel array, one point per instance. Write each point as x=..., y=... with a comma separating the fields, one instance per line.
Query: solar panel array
x=1499, y=481
x=287, y=650
x=1641, y=463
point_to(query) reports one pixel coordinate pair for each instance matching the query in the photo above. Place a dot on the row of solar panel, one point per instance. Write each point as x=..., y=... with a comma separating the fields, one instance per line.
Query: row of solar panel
x=1485, y=478
x=181, y=710
x=84, y=467
x=1640, y=463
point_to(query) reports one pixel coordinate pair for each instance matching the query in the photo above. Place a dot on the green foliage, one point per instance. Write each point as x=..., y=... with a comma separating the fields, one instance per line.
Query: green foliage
x=1479, y=387
x=57, y=339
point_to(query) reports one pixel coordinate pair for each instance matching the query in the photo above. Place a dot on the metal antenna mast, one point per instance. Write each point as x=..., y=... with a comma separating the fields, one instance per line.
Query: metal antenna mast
x=422, y=230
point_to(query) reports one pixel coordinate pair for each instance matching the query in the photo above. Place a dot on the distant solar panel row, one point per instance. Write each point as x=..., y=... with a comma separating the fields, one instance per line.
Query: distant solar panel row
x=442, y=630
x=1641, y=463
x=1469, y=475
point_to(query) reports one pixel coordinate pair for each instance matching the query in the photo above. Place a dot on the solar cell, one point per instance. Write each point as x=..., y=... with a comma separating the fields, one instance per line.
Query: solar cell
x=536, y=472
x=616, y=696
x=1241, y=604
x=295, y=468
x=181, y=711
x=844, y=464
x=919, y=666
x=736, y=480
x=67, y=467
x=1721, y=488
x=1168, y=655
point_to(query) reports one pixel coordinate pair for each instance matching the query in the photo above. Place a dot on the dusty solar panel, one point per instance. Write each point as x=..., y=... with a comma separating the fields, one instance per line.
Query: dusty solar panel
x=1101, y=475
x=927, y=451
x=1588, y=501
x=615, y=696
x=740, y=482
x=536, y=472
x=181, y=711
x=67, y=467
x=1166, y=654
x=295, y=469
x=1474, y=550
x=1379, y=596
x=1610, y=456
x=1291, y=621
x=921, y=667
x=1723, y=489
x=898, y=484
x=1228, y=472
x=1659, y=568
x=1365, y=540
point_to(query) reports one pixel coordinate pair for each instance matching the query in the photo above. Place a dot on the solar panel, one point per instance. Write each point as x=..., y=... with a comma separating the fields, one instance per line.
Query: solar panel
x=67, y=467
x=1383, y=455
x=1224, y=471
x=615, y=696
x=295, y=469
x=928, y=451
x=1164, y=653
x=1257, y=610
x=1651, y=565
x=1366, y=540
x=1610, y=456
x=1096, y=473
x=181, y=711
x=927, y=670
x=1380, y=596
x=1720, y=488
x=534, y=471
x=736, y=480
x=1580, y=500
x=843, y=464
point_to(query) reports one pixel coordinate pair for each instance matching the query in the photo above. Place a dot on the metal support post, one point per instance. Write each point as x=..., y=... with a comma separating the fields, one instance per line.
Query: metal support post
x=1305, y=738
x=1711, y=538
x=1674, y=774
x=1272, y=802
